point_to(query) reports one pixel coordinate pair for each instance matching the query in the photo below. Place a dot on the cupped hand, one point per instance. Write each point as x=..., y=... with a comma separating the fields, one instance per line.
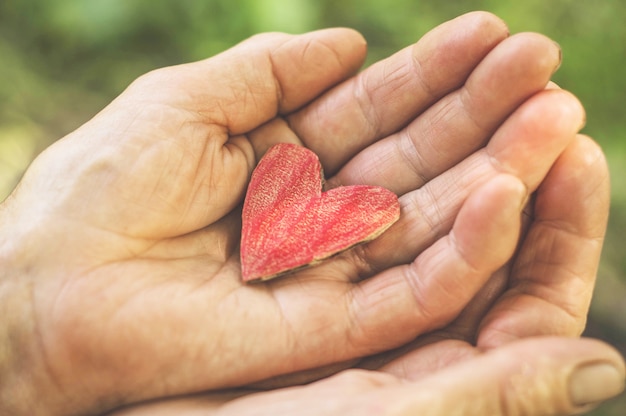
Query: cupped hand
x=121, y=242
x=447, y=372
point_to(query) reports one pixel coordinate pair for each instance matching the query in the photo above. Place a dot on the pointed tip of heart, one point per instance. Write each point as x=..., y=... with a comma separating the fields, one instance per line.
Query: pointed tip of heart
x=289, y=224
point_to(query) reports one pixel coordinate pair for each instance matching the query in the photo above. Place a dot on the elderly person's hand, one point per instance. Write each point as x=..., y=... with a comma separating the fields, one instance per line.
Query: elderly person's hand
x=121, y=277
x=474, y=366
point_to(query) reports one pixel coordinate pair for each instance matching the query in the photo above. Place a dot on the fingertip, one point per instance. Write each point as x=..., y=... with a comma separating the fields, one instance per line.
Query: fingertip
x=344, y=41
x=589, y=153
x=484, y=21
x=577, y=374
x=536, y=134
x=353, y=36
x=560, y=107
x=449, y=53
x=588, y=163
x=548, y=50
x=571, y=110
x=547, y=375
x=576, y=191
x=581, y=168
x=488, y=224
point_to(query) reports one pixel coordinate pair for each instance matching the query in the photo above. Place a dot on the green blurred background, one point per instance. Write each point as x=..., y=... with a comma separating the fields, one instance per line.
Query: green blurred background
x=61, y=61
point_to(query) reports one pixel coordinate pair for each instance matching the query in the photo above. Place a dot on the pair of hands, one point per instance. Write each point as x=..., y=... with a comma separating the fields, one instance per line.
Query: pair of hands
x=122, y=278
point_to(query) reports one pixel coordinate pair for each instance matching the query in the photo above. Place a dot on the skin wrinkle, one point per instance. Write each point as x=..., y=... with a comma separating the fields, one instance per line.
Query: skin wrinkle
x=311, y=47
x=239, y=95
x=131, y=251
x=164, y=175
x=566, y=227
x=61, y=386
x=278, y=87
x=398, y=78
x=358, y=258
x=363, y=98
x=544, y=294
x=216, y=116
x=164, y=250
x=414, y=281
x=444, y=289
x=44, y=357
x=514, y=300
x=251, y=95
x=293, y=338
x=369, y=292
x=408, y=144
x=465, y=97
x=548, y=253
x=163, y=182
x=417, y=68
x=338, y=352
x=228, y=153
x=417, y=136
x=537, y=291
x=434, y=218
x=222, y=247
x=457, y=248
x=118, y=310
x=444, y=124
x=214, y=155
x=333, y=52
x=355, y=332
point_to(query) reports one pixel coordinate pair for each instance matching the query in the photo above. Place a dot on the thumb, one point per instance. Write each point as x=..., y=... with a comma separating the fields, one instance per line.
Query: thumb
x=536, y=376
x=264, y=76
x=541, y=376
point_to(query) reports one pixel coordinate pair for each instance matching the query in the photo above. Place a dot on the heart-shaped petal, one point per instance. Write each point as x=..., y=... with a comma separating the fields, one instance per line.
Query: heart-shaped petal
x=289, y=223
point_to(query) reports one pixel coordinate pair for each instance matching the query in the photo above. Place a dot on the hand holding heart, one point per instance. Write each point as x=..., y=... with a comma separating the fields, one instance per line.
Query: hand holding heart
x=122, y=239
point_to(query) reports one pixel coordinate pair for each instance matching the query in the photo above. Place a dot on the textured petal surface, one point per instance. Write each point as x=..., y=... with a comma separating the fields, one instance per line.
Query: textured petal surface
x=289, y=223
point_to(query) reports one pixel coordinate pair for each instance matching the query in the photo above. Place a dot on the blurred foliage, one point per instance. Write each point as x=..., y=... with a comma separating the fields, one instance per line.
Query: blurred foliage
x=63, y=60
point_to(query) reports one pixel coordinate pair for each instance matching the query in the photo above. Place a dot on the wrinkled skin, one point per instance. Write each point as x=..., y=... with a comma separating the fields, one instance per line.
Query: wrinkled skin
x=122, y=278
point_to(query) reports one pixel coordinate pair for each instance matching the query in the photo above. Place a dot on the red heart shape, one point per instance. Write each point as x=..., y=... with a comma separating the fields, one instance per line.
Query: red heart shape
x=289, y=223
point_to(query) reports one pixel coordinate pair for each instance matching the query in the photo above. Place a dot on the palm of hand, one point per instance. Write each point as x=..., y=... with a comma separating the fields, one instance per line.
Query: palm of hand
x=149, y=282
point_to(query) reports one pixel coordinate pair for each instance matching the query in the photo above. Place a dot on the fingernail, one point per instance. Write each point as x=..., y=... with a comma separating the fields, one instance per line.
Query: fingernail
x=560, y=59
x=592, y=383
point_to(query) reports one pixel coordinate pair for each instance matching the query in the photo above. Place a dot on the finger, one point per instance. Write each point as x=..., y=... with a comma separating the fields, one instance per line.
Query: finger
x=554, y=274
x=465, y=326
x=525, y=146
x=266, y=75
x=386, y=96
x=540, y=376
x=237, y=91
x=460, y=122
x=432, y=290
x=537, y=376
x=221, y=98
x=337, y=395
x=171, y=148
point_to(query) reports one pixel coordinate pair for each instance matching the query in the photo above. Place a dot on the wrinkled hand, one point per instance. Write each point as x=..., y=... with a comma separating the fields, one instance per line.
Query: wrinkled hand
x=123, y=283
x=444, y=372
